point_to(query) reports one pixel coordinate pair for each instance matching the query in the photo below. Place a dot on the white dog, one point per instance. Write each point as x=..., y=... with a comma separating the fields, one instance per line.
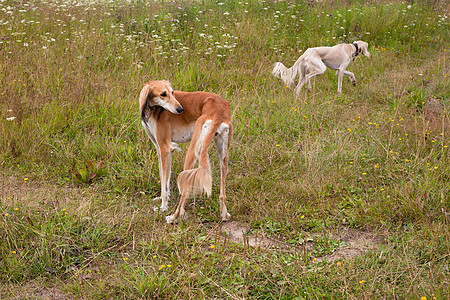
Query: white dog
x=316, y=60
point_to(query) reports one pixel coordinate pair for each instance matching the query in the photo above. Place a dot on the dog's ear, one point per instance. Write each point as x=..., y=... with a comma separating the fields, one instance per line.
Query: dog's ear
x=364, y=46
x=144, y=97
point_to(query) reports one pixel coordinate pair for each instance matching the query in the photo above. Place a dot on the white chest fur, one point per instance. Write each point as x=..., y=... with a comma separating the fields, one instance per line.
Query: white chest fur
x=150, y=129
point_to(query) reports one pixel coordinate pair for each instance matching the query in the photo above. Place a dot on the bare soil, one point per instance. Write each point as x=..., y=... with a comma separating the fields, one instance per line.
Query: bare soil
x=357, y=241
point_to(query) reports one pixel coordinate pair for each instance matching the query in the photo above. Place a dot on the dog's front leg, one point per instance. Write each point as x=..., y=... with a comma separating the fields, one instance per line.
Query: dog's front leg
x=352, y=77
x=340, y=73
x=340, y=77
x=165, y=159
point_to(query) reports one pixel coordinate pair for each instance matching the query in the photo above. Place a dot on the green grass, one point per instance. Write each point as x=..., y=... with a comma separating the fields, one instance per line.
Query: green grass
x=78, y=173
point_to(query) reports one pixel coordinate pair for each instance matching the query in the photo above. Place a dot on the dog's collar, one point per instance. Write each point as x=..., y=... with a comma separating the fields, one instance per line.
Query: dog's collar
x=357, y=50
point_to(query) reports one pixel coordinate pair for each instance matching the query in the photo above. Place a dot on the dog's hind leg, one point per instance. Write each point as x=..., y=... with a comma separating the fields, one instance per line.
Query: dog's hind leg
x=201, y=128
x=222, y=139
x=302, y=77
x=198, y=181
x=307, y=79
x=195, y=181
x=311, y=66
x=179, y=212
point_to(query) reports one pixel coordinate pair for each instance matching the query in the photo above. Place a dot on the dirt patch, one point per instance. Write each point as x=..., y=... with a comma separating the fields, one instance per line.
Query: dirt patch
x=236, y=232
x=357, y=242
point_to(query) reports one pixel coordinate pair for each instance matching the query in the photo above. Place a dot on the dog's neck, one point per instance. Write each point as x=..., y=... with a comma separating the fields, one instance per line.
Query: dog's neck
x=358, y=50
x=157, y=110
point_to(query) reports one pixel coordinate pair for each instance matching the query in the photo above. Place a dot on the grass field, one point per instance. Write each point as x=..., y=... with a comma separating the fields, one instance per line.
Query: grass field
x=347, y=194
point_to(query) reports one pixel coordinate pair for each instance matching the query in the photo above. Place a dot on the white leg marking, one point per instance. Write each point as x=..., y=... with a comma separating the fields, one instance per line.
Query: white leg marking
x=205, y=128
x=221, y=140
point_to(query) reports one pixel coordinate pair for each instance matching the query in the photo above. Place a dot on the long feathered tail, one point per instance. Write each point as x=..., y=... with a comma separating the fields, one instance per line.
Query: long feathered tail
x=287, y=74
x=195, y=181
x=199, y=181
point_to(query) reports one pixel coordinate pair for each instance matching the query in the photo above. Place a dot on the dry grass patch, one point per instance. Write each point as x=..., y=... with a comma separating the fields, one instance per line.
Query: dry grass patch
x=35, y=289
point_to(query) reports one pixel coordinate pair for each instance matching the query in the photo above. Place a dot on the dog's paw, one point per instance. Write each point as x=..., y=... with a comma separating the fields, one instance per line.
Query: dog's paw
x=164, y=204
x=160, y=208
x=170, y=219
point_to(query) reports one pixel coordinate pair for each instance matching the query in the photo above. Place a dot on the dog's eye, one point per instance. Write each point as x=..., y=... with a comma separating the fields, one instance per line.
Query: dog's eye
x=164, y=94
x=172, y=92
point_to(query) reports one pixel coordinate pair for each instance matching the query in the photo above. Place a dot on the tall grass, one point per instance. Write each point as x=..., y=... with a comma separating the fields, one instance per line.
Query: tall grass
x=373, y=159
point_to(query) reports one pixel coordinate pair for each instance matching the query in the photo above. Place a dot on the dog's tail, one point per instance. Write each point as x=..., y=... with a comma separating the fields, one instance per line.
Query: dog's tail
x=143, y=99
x=195, y=181
x=199, y=181
x=287, y=74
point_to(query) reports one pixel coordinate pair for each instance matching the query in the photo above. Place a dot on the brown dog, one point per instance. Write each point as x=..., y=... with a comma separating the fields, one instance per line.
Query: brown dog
x=170, y=117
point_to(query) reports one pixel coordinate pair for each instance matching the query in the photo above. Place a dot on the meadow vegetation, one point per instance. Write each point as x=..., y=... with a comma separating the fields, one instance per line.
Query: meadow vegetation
x=78, y=173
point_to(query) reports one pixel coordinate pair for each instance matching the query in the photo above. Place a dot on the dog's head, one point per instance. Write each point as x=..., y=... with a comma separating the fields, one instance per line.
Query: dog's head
x=158, y=94
x=363, y=46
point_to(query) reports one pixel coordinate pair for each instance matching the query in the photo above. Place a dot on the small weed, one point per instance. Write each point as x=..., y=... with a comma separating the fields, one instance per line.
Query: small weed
x=88, y=171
